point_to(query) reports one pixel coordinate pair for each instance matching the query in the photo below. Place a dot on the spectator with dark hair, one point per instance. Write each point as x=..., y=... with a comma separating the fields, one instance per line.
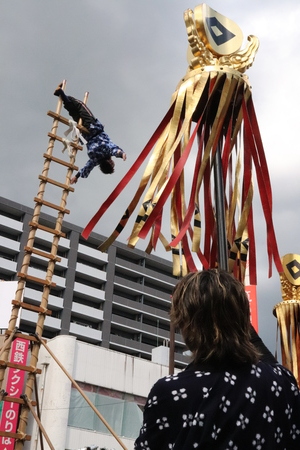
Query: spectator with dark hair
x=228, y=398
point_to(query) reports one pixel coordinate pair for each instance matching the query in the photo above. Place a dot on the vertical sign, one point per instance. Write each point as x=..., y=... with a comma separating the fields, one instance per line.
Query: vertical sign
x=251, y=292
x=14, y=387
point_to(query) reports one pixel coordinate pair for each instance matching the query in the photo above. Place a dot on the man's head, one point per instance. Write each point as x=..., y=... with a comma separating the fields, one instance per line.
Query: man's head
x=211, y=309
x=107, y=166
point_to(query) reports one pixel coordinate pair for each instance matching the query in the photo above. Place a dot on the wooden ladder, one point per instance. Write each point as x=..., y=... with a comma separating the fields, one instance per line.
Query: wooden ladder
x=42, y=310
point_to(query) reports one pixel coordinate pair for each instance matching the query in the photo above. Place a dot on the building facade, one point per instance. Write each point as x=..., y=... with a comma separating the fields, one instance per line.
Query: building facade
x=118, y=300
x=116, y=383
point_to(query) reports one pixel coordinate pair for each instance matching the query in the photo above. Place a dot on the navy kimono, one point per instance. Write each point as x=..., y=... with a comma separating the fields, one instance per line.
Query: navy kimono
x=250, y=407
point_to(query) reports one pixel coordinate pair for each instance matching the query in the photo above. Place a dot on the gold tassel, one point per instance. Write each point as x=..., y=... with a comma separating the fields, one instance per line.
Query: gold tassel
x=287, y=313
x=288, y=322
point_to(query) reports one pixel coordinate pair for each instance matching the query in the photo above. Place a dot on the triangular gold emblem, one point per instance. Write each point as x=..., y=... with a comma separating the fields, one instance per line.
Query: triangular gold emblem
x=221, y=35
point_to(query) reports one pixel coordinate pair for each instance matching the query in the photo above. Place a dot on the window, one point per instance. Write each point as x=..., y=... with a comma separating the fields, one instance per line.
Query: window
x=125, y=417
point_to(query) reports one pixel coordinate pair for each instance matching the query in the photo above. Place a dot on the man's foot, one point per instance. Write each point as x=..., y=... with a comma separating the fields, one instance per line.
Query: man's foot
x=121, y=154
x=58, y=90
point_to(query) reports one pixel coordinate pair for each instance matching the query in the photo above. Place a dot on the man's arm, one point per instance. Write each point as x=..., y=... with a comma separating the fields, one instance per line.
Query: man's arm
x=85, y=171
x=75, y=179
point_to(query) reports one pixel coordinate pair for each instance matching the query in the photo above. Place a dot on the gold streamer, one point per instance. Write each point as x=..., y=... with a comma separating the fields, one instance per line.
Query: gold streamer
x=211, y=94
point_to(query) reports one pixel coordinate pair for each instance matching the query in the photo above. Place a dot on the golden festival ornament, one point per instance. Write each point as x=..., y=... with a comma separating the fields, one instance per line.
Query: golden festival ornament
x=211, y=115
x=287, y=313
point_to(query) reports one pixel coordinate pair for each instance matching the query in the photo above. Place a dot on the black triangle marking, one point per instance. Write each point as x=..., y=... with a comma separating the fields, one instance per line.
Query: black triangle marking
x=224, y=36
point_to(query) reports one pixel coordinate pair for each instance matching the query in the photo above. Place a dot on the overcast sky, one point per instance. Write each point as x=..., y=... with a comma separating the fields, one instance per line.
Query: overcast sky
x=130, y=55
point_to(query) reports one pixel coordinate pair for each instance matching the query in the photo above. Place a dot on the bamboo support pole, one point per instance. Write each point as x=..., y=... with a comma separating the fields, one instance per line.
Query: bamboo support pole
x=28, y=403
x=38, y=412
x=83, y=394
x=172, y=349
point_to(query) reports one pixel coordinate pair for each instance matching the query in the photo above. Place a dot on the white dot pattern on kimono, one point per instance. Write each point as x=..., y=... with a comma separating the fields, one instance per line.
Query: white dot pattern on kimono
x=263, y=402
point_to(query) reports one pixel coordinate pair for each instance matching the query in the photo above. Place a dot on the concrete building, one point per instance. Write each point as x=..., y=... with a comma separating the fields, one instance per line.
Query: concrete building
x=109, y=324
x=118, y=300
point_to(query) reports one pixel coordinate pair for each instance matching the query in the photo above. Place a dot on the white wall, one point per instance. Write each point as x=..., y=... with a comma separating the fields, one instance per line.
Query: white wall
x=92, y=365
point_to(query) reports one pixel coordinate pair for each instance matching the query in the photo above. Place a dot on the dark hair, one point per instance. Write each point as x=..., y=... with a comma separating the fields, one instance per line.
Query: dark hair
x=107, y=166
x=211, y=309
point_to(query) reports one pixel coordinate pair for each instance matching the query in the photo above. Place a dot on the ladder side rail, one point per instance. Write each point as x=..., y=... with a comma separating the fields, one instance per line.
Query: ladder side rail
x=23, y=418
x=51, y=263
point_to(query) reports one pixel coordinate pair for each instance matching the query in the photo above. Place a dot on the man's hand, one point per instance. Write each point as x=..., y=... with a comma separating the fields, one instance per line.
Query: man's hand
x=73, y=180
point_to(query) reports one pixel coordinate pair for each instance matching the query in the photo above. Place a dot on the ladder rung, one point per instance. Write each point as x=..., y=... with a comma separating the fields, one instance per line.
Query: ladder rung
x=28, y=337
x=24, y=276
x=49, y=230
x=61, y=161
x=19, y=366
x=51, y=205
x=20, y=436
x=6, y=398
x=56, y=183
x=65, y=121
x=73, y=144
x=32, y=307
x=43, y=254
